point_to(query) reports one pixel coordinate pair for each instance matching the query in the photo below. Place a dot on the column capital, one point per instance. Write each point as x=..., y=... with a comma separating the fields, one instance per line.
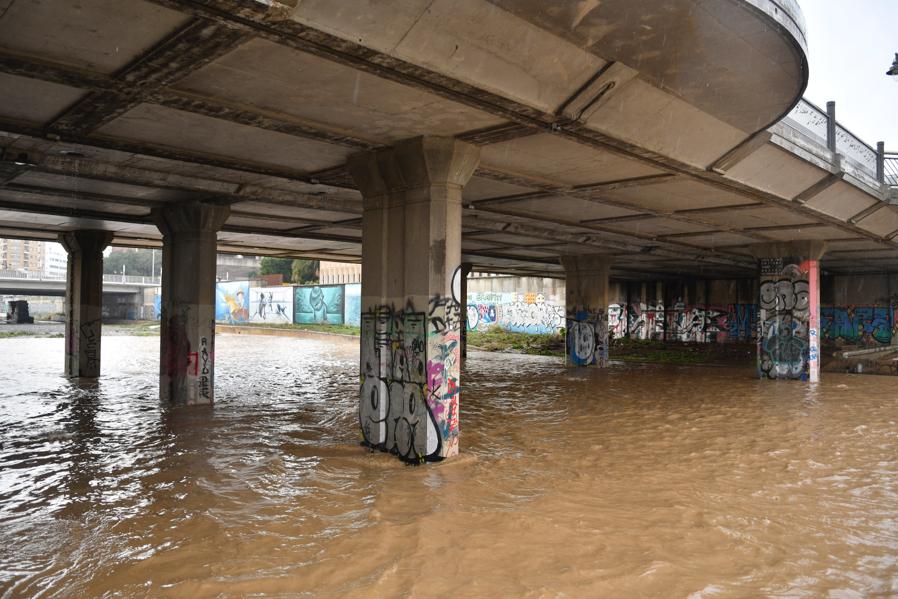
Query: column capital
x=190, y=217
x=86, y=241
x=809, y=250
x=412, y=164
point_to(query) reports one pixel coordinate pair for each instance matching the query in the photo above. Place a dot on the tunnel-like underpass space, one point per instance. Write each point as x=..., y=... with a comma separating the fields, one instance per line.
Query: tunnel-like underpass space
x=635, y=480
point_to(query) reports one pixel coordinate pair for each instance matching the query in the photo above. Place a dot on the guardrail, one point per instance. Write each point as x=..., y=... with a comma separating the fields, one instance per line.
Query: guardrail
x=821, y=126
x=108, y=278
x=889, y=169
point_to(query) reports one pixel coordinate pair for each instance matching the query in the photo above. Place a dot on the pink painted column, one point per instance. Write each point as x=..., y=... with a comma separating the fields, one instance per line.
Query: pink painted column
x=187, y=340
x=812, y=267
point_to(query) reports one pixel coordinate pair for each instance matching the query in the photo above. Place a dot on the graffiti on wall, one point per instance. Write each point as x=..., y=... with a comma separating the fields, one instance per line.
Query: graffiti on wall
x=587, y=338
x=318, y=304
x=352, y=309
x=271, y=304
x=410, y=379
x=861, y=325
x=232, y=302
x=783, y=321
x=527, y=312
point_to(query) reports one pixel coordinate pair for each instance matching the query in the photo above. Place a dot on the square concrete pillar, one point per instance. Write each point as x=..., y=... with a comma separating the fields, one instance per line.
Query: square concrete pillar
x=187, y=344
x=789, y=310
x=411, y=318
x=586, y=301
x=84, y=301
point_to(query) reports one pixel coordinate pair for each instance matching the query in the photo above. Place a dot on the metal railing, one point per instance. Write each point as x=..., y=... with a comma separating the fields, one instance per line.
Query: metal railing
x=890, y=169
x=107, y=278
x=821, y=127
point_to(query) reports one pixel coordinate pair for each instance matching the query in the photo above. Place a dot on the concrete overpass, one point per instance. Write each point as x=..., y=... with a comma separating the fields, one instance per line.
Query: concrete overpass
x=585, y=140
x=20, y=283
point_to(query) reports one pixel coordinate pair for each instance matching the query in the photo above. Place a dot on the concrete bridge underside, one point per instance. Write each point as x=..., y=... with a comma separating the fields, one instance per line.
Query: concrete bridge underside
x=587, y=140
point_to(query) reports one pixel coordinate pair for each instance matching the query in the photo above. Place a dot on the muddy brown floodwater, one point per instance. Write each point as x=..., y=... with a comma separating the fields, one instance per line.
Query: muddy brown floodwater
x=635, y=481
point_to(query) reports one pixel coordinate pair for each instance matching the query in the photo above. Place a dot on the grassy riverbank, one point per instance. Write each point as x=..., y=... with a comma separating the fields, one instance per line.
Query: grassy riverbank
x=627, y=350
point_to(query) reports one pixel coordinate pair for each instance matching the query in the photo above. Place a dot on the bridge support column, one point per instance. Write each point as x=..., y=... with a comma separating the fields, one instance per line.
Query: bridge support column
x=411, y=317
x=187, y=345
x=789, y=310
x=586, y=300
x=84, y=301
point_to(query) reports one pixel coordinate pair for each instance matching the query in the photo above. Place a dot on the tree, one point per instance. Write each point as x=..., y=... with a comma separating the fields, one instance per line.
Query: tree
x=305, y=271
x=137, y=262
x=276, y=266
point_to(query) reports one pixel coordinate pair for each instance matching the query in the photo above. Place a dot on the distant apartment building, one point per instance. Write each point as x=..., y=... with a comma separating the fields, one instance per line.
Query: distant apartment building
x=56, y=260
x=339, y=272
x=21, y=254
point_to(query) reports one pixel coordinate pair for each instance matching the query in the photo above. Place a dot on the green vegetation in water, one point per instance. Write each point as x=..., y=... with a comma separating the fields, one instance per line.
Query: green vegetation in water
x=336, y=329
x=498, y=339
x=5, y=334
x=140, y=328
x=627, y=350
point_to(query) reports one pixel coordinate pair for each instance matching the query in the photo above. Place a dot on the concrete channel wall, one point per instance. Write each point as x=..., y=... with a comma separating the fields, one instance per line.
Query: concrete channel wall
x=857, y=310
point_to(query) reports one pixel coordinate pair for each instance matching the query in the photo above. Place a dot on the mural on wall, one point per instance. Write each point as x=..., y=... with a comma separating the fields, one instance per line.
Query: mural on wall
x=784, y=320
x=527, y=312
x=352, y=310
x=318, y=304
x=409, y=379
x=271, y=304
x=858, y=325
x=587, y=338
x=232, y=302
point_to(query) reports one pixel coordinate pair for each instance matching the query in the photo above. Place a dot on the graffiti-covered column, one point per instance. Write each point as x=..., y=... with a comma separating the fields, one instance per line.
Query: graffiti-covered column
x=411, y=319
x=789, y=310
x=586, y=301
x=187, y=345
x=84, y=301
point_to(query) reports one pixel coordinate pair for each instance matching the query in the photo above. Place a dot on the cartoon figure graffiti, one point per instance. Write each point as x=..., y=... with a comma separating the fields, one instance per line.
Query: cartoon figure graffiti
x=231, y=302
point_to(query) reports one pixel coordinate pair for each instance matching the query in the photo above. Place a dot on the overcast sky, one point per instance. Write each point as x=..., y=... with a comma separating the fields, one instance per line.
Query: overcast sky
x=851, y=45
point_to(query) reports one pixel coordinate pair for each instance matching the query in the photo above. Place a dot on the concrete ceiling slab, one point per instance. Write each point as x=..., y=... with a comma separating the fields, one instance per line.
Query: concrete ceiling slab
x=762, y=216
x=33, y=101
x=802, y=233
x=841, y=200
x=719, y=240
x=567, y=208
x=882, y=222
x=97, y=35
x=659, y=39
x=658, y=226
x=479, y=188
x=524, y=62
x=337, y=97
x=193, y=132
x=677, y=194
x=775, y=171
x=644, y=115
x=549, y=157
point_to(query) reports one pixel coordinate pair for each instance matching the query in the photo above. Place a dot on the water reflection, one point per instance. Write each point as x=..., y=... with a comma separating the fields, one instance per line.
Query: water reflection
x=636, y=480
